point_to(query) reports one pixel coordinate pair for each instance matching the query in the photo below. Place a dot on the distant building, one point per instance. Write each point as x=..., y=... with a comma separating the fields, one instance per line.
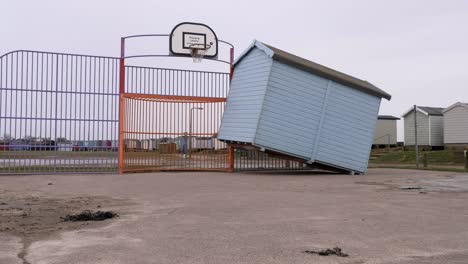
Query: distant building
x=64, y=146
x=203, y=143
x=430, y=126
x=456, y=125
x=132, y=145
x=386, y=131
x=148, y=144
x=18, y=145
x=196, y=143
x=4, y=145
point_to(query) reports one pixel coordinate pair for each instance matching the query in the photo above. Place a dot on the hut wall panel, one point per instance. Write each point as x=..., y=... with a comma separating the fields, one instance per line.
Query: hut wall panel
x=292, y=107
x=348, y=128
x=423, y=129
x=456, y=125
x=437, y=130
x=245, y=97
x=383, y=128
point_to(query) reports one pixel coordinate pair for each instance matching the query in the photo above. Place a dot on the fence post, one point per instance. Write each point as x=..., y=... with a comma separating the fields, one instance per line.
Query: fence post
x=416, y=148
x=230, y=158
x=425, y=159
x=466, y=159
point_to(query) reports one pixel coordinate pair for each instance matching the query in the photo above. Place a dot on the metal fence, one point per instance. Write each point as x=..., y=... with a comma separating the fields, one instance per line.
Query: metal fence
x=58, y=113
x=65, y=113
x=68, y=113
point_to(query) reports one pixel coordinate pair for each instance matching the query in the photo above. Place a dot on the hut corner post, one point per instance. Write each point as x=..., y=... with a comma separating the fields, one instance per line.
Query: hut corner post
x=465, y=154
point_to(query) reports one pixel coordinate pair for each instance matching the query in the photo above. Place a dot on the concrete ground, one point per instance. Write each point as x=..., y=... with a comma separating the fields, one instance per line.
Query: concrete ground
x=250, y=218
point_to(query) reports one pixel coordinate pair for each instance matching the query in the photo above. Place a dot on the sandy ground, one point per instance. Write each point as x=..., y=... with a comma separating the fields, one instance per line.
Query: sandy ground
x=237, y=218
x=34, y=218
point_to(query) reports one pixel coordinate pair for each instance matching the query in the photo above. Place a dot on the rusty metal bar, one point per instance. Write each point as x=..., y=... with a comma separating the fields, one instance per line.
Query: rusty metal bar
x=175, y=98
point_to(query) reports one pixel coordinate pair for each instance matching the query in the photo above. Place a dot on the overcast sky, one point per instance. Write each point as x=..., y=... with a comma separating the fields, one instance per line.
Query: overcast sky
x=415, y=50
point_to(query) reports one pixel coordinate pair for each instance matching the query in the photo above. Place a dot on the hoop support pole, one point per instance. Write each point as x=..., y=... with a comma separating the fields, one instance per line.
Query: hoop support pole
x=231, y=61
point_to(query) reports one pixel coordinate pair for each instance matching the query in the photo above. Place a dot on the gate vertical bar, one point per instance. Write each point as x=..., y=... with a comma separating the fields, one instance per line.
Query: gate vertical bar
x=121, y=104
x=56, y=110
x=231, y=148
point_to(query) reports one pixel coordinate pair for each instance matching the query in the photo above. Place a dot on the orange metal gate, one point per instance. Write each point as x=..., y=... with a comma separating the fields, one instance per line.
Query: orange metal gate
x=172, y=133
x=169, y=120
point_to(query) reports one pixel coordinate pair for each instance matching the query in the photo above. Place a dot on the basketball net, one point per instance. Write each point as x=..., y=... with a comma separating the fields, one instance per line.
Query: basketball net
x=198, y=51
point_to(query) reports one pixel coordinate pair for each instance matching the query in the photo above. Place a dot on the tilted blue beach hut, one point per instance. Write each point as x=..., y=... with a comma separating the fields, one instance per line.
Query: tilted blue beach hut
x=286, y=104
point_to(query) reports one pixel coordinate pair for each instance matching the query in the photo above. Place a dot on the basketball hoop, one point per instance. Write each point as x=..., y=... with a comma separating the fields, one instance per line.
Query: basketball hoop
x=195, y=40
x=198, y=51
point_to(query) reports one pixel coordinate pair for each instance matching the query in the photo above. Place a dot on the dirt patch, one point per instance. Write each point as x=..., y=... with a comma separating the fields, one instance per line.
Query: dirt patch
x=328, y=252
x=33, y=217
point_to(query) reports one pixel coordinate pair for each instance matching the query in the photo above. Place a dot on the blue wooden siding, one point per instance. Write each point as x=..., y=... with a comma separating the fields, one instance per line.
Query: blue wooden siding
x=245, y=97
x=291, y=111
x=348, y=128
x=281, y=108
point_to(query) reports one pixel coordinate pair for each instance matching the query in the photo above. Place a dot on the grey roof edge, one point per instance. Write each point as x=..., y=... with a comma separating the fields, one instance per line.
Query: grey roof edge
x=315, y=68
x=410, y=110
x=455, y=105
x=388, y=117
x=423, y=109
x=435, y=111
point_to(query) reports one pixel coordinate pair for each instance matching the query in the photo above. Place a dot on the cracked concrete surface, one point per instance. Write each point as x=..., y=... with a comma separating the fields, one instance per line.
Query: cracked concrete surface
x=255, y=218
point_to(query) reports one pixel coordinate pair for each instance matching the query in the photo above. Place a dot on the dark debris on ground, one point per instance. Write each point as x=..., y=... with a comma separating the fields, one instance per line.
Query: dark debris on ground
x=89, y=215
x=327, y=252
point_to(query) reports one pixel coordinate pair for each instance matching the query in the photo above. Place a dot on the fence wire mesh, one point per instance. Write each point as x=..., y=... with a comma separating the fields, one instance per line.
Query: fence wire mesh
x=255, y=160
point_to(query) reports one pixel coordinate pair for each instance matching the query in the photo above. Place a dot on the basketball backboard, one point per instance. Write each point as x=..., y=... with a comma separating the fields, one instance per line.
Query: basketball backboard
x=187, y=35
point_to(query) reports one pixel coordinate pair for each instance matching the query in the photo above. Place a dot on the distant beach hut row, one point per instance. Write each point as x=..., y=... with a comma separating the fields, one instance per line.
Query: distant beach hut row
x=438, y=127
x=52, y=145
x=172, y=145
